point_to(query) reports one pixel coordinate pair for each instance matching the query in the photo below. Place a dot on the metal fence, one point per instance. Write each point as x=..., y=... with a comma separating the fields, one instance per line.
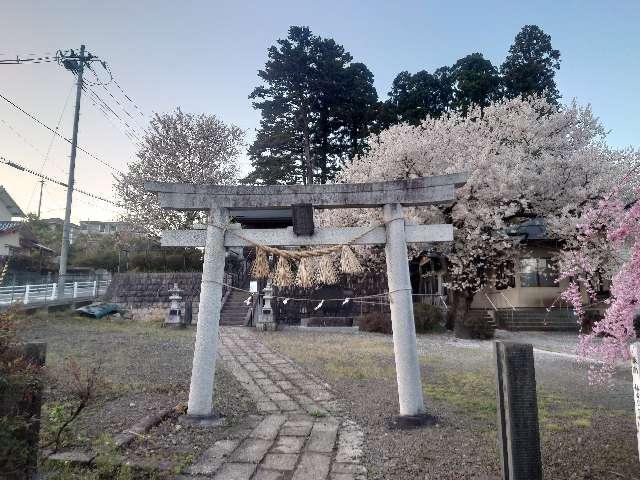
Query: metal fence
x=44, y=293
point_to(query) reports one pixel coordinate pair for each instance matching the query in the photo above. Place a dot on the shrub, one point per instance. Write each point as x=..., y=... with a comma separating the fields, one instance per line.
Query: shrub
x=479, y=328
x=427, y=317
x=377, y=322
x=20, y=388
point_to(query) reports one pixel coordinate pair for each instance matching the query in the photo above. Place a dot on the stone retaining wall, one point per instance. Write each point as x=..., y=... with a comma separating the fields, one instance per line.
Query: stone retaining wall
x=146, y=295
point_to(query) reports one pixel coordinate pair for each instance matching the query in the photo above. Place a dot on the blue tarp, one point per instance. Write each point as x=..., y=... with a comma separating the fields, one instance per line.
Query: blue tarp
x=99, y=310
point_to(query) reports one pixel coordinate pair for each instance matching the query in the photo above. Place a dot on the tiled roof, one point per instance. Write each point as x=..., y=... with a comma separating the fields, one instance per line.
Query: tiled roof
x=8, y=227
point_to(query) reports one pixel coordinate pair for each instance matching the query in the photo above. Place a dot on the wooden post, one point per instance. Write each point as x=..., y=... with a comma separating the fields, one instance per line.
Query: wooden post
x=408, y=377
x=635, y=370
x=205, y=350
x=518, y=430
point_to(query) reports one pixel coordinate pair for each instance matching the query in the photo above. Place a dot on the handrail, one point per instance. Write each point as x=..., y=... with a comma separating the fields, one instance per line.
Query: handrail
x=492, y=304
x=508, y=302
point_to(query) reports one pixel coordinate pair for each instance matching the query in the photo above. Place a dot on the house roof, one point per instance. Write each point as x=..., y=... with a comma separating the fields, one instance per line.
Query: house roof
x=10, y=226
x=10, y=204
x=533, y=229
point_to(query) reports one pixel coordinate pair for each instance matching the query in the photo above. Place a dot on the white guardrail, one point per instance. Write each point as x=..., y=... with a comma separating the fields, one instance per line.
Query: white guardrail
x=48, y=292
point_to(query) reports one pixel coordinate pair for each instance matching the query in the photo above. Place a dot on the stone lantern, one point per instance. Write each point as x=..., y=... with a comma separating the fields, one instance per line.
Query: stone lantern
x=174, y=318
x=266, y=321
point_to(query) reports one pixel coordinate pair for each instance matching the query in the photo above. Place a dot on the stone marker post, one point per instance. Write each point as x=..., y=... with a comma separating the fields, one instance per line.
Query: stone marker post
x=518, y=431
x=205, y=350
x=404, y=330
x=635, y=370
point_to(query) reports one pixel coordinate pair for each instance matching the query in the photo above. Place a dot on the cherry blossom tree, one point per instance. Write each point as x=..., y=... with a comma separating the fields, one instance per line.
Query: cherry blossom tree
x=525, y=158
x=178, y=147
x=607, y=246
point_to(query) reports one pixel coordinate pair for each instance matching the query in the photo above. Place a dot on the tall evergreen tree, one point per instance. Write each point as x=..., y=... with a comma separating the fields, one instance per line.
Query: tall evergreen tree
x=358, y=107
x=476, y=82
x=531, y=65
x=414, y=97
x=315, y=107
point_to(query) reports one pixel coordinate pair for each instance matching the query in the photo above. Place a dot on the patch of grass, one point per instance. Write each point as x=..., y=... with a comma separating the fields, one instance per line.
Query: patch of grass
x=581, y=423
x=470, y=392
x=318, y=413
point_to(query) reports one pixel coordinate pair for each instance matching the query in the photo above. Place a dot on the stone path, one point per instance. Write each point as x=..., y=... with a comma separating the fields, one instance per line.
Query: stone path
x=299, y=434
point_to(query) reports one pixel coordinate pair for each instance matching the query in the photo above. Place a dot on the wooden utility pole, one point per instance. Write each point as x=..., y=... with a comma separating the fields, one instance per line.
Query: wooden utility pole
x=40, y=200
x=64, y=250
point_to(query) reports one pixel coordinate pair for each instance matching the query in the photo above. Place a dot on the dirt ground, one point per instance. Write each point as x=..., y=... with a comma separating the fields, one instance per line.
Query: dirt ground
x=586, y=432
x=143, y=369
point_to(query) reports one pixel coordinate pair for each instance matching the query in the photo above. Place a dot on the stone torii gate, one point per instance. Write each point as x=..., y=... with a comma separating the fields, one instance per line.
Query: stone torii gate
x=395, y=235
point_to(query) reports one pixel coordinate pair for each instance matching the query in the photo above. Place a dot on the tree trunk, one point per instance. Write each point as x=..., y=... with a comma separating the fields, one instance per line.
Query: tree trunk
x=307, y=150
x=460, y=306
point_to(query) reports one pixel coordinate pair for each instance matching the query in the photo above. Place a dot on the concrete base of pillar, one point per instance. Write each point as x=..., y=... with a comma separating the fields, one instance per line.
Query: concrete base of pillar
x=266, y=326
x=214, y=420
x=409, y=422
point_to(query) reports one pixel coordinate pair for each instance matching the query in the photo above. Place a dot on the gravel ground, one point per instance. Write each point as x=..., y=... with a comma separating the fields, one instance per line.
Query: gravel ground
x=143, y=369
x=587, y=433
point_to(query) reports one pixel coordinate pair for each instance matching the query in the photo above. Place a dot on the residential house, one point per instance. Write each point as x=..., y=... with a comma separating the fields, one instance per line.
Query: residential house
x=15, y=236
x=58, y=223
x=98, y=227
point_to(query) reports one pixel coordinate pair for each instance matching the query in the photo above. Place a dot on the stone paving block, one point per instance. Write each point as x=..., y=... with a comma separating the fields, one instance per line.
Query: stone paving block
x=269, y=427
x=285, y=385
x=323, y=436
x=288, y=445
x=213, y=457
x=352, y=468
x=279, y=396
x=349, y=443
x=263, y=474
x=314, y=409
x=271, y=388
x=347, y=476
x=312, y=466
x=267, y=406
x=318, y=395
x=288, y=405
x=280, y=461
x=301, y=398
x=251, y=367
x=301, y=431
x=251, y=450
x=235, y=471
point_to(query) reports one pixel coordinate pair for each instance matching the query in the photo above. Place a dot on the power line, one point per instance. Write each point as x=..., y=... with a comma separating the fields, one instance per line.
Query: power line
x=53, y=137
x=108, y=113
x=22, y=168
x=115, y=82
x=42, y=124
x=103, y=102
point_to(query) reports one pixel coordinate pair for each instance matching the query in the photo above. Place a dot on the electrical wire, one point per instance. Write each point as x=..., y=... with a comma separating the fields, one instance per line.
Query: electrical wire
x=22, y=168
x=42, y=124
x=115, y=82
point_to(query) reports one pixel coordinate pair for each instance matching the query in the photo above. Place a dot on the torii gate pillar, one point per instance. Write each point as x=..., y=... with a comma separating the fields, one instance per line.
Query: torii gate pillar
x=204, y=353
x=404, y=332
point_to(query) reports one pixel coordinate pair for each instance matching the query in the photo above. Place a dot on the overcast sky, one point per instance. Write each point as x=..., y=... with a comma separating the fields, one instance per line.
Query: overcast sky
x=204, y=55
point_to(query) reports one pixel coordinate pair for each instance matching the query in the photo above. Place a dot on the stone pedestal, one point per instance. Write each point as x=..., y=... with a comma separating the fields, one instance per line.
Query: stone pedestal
x=518, y=430
x=266, y=321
